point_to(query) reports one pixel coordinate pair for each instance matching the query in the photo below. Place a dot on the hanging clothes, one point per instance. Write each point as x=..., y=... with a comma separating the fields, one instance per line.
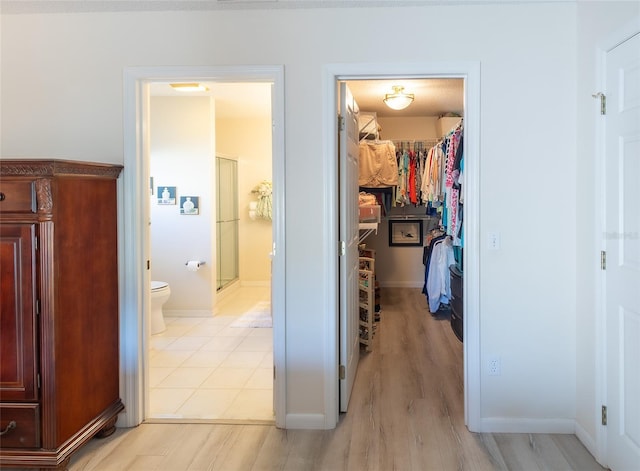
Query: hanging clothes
x=438, y=284
x=441, y=181
x=413, y=191
x=431, y=188
x=403, y=173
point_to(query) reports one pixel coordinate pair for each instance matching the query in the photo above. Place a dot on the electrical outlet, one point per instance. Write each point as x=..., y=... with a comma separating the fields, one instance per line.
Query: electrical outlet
x=494, y=366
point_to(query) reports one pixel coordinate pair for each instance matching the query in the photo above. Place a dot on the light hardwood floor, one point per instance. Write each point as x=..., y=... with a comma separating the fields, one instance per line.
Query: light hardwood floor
x=406, y=413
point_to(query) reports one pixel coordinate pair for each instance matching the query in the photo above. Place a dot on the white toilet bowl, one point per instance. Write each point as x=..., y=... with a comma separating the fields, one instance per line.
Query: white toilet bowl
x=160, y=293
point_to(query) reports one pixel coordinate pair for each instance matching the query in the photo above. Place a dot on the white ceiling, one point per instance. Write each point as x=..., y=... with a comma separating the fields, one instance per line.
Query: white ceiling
x=233, y=100
x=433, y=97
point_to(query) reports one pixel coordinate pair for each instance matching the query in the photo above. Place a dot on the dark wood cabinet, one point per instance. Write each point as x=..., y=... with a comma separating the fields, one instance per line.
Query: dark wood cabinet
x=59, y=368
x=456, y=302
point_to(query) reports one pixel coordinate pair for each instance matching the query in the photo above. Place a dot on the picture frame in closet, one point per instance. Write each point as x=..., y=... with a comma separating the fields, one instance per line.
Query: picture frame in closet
x=405, y=232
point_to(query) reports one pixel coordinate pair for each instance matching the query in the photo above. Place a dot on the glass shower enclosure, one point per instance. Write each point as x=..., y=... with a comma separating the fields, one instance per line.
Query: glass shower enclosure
x=227, y=221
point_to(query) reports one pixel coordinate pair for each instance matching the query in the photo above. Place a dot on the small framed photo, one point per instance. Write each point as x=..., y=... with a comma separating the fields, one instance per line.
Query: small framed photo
x=189, y=205
x=166, y=194
x=404, y=232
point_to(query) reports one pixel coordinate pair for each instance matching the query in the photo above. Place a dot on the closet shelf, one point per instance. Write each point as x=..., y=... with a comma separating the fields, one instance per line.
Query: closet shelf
x=366, y=229
x=366, y=286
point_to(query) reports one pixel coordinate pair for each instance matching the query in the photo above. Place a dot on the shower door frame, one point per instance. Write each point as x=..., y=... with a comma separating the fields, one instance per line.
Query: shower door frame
x=236, y=219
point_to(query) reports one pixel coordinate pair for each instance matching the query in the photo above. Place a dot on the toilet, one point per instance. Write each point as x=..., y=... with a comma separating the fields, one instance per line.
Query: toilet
x=160, y=293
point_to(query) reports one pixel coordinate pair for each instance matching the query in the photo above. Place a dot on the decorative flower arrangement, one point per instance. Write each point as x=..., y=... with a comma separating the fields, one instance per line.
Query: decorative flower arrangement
x=264, y=191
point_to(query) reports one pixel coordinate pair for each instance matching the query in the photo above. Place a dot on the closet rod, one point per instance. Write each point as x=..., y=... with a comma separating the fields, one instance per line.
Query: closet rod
x=412, y=216
x=417, y=140
x=426, y=143
x=413, y=141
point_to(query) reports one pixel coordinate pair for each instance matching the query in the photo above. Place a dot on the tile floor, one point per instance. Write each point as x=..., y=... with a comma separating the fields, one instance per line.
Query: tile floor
x=203, y=368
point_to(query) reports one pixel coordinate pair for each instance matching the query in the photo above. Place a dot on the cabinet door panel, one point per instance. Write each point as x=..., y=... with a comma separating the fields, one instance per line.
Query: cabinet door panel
x=17, y=326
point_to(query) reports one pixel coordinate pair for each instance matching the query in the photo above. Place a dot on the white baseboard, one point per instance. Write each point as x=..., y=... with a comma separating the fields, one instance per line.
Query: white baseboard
x=527, y=425
x=306, y=422
x=265, y=284
x=587, y=440
x=401, y=284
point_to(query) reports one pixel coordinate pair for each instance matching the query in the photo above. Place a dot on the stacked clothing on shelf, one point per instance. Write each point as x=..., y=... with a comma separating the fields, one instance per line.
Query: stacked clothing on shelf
x=378, y=167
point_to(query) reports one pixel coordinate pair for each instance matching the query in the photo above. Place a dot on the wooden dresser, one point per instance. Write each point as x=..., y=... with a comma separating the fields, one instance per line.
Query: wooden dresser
x=59, y=365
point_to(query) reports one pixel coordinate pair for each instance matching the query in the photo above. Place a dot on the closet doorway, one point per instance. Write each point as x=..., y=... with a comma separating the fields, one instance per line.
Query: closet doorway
x=368, y=88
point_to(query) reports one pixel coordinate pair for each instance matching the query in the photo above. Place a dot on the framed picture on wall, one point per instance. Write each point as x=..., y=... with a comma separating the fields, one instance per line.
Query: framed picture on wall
x=189, y=205
x=404, y=232
x=166, y=194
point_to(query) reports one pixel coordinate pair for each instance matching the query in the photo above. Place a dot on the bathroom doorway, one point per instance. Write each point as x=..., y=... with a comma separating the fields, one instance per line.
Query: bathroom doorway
x=208, y=364
x=137, y=247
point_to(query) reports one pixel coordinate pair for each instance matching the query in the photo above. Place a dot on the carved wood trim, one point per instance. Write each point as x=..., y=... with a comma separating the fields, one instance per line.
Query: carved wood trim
x=49, y=168
x=44, y=198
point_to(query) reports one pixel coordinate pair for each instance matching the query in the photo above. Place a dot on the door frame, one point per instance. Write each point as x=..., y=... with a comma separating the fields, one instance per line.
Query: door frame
x=348, y=234
x=470, y=71
x=133, y=228
x=607, y=45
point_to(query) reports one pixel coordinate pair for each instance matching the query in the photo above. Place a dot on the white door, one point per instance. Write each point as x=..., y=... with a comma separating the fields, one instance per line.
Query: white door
x=349, y=306
x=622, y=241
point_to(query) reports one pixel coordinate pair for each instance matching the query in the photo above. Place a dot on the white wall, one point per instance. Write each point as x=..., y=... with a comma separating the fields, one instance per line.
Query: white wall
x=249, y=140
x=182, y=156
x=411, y=128
x=528, y=187
x=598, y=24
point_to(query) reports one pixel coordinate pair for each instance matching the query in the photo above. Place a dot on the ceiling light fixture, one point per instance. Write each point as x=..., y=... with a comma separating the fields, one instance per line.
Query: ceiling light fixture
x=189, y=87
x=398, y=100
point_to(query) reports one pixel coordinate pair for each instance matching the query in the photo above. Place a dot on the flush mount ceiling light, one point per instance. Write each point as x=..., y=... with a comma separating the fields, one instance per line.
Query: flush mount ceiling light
x=189, y=87
x=398, y=100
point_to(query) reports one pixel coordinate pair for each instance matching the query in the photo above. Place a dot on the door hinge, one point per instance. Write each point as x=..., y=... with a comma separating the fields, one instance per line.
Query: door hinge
x=603, y=260
x=603, y=102
x=37, y=307
x=38, y=380
x=342, y=248
x=604, y=415
x=148, y=264
x=274, y=372
x=340, y=123
x=343, y=374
